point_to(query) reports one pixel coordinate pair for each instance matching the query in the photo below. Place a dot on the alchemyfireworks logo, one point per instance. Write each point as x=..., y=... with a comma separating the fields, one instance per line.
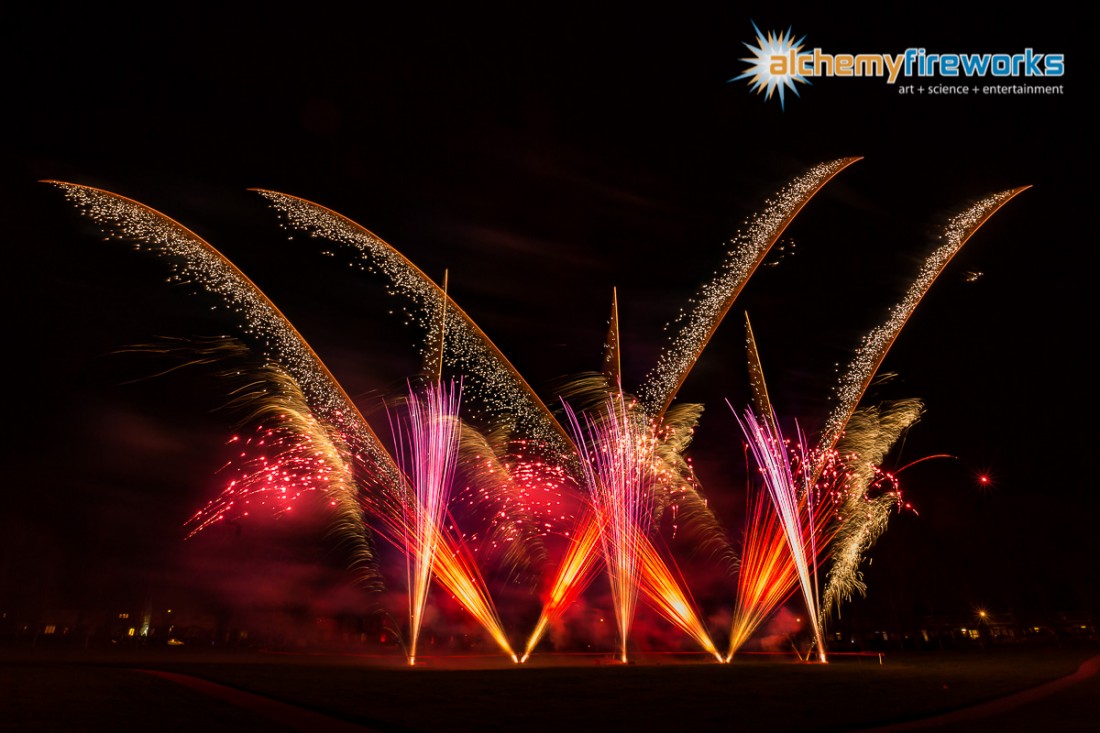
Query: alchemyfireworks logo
x=779, y=63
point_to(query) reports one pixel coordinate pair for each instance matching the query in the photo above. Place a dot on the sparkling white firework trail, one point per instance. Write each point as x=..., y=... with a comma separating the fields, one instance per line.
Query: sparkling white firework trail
x=490, y=379
x=710, y=305
x=192, y=259
x=872, y=350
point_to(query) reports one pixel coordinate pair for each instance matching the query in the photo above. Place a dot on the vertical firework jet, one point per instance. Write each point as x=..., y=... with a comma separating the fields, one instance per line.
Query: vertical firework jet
x=623, y=471
x=616, y=451
x=840, y=516
x=662, y=588
x=793, y=504
x=427, y=451
x=782, y=522
x=660, y=472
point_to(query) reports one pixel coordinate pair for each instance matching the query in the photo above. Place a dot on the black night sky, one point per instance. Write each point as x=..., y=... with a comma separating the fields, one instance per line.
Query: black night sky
x=543, y=156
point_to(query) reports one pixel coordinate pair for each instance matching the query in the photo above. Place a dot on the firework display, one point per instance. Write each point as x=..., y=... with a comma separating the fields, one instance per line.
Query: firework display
x=821, y=500
x=483, y=472
x=380, y=490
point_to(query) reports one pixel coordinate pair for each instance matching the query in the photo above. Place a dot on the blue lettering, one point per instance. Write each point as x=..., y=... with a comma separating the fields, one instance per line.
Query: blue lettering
x=910, y=54
x=975, y=64
x=1002, y=65
x=1031, y=62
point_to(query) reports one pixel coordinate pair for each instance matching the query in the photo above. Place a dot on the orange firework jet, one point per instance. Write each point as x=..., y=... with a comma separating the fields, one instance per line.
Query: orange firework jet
x=669, y=596
x=769, y=574
x=575, y=573
x=456, y=571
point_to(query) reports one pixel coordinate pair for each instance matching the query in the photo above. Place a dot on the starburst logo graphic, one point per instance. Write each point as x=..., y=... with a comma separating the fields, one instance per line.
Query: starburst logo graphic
x=764, y=75
x=779, y=63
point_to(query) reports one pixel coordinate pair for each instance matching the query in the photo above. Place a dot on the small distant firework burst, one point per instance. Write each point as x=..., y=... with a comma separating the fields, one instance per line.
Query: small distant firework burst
x=603, y=483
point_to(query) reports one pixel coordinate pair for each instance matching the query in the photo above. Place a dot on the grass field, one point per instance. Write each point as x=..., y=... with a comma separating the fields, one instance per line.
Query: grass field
x=68, y=690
